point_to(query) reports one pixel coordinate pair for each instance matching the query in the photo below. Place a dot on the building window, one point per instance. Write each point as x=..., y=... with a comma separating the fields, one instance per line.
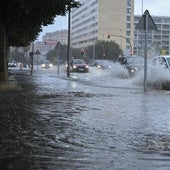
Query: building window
x=128, y=25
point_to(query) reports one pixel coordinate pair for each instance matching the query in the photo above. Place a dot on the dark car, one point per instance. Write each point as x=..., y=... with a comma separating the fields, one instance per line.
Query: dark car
x=132, y=63
x=79, y=65
x=102, y=64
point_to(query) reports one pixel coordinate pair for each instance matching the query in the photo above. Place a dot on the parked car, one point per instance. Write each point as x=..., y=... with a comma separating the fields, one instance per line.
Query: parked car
x=79, y=65
x=102, y=64
x=132, y=63
x=161, y=61
x=46, y=64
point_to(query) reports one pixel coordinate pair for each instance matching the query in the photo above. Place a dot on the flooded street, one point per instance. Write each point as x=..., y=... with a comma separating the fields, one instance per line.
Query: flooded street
x=90, y=121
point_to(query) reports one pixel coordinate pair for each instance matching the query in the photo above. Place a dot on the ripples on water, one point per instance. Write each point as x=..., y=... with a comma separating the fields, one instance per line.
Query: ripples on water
x=84, y=123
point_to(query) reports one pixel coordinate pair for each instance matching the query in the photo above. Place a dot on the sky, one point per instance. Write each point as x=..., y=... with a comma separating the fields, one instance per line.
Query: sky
x=155, y=8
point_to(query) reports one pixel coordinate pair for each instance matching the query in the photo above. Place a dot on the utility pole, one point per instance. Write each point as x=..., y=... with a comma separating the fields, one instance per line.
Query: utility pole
x=146, y=23
x=68, y=47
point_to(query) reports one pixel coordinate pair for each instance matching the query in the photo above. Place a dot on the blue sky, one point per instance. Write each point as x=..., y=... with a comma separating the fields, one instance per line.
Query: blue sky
x=155, y=7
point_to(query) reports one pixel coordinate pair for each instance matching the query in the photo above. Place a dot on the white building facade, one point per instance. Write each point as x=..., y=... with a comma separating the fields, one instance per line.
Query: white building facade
x=96, y=19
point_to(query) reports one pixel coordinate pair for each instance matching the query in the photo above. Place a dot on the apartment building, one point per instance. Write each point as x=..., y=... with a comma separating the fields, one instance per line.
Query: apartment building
x=50, y=39
x=96, y=19
x=158, y=40
x=60, y=35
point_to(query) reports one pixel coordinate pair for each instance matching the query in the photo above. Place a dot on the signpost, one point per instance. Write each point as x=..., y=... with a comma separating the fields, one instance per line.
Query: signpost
x=146, y=23
x=37, y=54
x=58, y=48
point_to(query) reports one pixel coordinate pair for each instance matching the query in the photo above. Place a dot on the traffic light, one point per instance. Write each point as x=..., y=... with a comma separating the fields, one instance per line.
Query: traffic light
x=108, y=36
x=82, y=52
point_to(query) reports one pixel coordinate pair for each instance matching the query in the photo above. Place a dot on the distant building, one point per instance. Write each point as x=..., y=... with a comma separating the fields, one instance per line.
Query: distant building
x=159, y=39
x=43, y=47
x=56, y=36
x=96, y=19
x=50, y=40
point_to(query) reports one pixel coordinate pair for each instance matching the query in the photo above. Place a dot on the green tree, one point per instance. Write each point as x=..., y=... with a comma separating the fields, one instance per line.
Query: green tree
x=21, y=21
x=52, y=54
x=108, y=50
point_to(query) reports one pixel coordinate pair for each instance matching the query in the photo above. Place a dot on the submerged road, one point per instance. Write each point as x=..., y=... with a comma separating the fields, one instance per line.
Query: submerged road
x=95, y=120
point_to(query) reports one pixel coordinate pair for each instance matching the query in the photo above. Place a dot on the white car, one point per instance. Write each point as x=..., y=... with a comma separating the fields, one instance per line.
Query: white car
x=162, y=61
x=46, y=64
x=12, y=64
x=160, y=65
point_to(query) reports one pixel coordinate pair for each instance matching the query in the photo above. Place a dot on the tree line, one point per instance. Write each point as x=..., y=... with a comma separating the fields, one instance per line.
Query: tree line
x=108, y=50
x=21, y=21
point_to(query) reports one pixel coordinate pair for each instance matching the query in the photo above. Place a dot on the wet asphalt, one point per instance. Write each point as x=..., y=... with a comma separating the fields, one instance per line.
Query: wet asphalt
x=88, y=121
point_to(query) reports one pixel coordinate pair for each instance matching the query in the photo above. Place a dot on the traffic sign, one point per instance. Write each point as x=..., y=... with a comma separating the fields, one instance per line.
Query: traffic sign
x=142, y=22
x=146, y=23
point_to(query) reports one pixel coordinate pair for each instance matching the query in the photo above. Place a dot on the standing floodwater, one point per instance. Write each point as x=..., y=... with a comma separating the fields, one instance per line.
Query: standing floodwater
x=92, y=120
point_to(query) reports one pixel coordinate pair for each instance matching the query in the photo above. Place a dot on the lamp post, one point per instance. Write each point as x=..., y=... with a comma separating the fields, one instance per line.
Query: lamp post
x=71, y=4
x=104, y=54
x=94, y=51
x=37, y=54
x=142, y=6
x=68, y=47
x=32, y=58
x=121, y=38
x=94, y=43
x=58, y=50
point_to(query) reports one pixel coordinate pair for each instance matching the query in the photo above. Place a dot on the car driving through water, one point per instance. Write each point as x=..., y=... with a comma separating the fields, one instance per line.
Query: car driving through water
x=161, y=61
x=132, y=63
x=46, y=64
x=79, y=65
x=102, y=64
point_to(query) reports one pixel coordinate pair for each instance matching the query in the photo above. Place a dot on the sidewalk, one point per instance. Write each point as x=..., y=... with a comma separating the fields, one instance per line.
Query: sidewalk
x=12, y=84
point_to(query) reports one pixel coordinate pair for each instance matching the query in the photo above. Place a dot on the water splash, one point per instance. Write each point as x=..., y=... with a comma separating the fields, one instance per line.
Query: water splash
x=157, y=77
x=119, y=71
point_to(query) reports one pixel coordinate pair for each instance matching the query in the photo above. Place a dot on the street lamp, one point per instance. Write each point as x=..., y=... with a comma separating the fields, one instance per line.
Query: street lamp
x=104, y=54
x=70, y=5
x=142, y=6
x=37, y=54
x=121, y=38
x=32, y=58
x=68, y=47
x=94, y=41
